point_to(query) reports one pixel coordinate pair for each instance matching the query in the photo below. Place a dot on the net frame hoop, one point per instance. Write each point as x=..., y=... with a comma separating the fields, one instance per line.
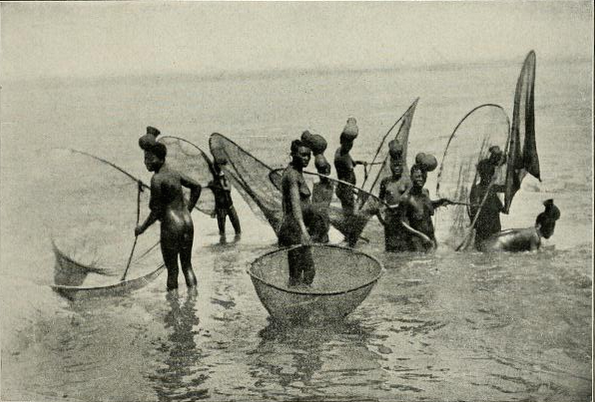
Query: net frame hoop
x=335, y=293
x=452, y=136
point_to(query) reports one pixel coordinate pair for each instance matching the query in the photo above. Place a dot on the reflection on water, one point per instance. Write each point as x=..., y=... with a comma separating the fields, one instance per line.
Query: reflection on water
x=316, y=360
x=441, y=326
x=182, y=375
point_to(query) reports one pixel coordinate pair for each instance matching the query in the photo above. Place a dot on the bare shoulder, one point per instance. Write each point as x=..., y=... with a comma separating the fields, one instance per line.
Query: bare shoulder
x=156, y=179
x=290, y=175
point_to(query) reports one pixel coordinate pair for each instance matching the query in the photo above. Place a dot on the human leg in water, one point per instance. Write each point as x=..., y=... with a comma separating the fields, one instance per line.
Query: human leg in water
x=235, y=221
x=301, y=266
x=170, y=258
x=182, y=251
x=221, y=214
x=186, y=260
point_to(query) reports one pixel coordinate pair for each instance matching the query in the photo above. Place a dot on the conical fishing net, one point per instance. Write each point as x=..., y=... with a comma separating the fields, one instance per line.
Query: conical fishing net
x=483, y=127
x=250, y=177
x=91, y=215
x=522, y=152
x=190, y=161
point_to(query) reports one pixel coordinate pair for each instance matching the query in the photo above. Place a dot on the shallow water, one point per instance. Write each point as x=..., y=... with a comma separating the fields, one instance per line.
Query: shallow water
x=442, y=326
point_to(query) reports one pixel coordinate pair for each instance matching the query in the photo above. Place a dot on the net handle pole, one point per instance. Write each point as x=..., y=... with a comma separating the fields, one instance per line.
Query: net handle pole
x=386, y=204
x=140, y=189
x=472, y=226
x=386, y=135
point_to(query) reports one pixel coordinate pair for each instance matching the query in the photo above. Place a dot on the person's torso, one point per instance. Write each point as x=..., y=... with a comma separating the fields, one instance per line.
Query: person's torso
x=419, y=211
x=290, y=178
x=171, y=194
x=394, y=189
x=222, y=192
x=344, y=166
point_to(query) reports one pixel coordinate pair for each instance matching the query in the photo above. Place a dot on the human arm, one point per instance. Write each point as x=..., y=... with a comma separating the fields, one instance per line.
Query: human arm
x=155, y=205
x=442, y=202
x=195, y=190
x=403, y=212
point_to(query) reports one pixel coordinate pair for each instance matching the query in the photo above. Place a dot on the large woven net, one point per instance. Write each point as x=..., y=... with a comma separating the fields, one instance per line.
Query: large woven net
x=338, y=269
x=91, y=216
x=483, y=127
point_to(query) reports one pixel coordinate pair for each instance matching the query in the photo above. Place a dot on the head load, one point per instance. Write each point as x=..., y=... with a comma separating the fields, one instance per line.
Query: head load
x=219, y=155
x=427, y=162
x=350, y=131
x=318, y=145
x=395, y=150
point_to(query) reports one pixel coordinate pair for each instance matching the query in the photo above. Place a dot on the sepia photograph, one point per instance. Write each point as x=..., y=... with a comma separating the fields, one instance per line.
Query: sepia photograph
x=296, y=201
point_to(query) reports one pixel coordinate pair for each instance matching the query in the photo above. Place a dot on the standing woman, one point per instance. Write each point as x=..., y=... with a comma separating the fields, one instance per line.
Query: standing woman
x=392, y=189
x=296, y=203
x=417, y=208
x=167, y=206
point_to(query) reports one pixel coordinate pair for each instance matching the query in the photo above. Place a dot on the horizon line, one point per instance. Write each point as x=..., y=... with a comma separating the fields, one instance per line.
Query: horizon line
x=280, y=72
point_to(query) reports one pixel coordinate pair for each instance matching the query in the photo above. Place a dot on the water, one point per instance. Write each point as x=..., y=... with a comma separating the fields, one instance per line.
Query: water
x=443, y=326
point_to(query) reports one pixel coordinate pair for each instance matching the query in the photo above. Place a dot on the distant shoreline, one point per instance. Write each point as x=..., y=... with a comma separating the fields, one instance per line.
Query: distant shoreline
x=280, y=73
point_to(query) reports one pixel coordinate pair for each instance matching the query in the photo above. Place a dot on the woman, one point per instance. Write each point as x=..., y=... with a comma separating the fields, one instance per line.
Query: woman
x=484, y=194
x=416, y=211
x=526, y=239
x=392, y=189
x=167, y=206
x=296, y=203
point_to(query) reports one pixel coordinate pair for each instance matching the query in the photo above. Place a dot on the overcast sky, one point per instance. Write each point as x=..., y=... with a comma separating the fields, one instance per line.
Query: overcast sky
x=94, y=38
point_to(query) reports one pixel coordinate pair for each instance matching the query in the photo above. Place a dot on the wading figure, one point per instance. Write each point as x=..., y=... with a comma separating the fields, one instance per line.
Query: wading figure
x=317, y=216
x=416, y=211
x=167, y=206
x=526, y=239
x=344, y=166
x=223, y=203
x=296, y=203
x=322, y=195
x=392, y=189
x=488, y=217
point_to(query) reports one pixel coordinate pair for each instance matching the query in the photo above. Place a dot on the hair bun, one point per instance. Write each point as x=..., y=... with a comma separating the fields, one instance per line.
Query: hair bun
x=153, y=131
x=395, y=149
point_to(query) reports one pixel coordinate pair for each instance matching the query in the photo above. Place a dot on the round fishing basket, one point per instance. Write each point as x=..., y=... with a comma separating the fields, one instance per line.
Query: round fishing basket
x=343, y=279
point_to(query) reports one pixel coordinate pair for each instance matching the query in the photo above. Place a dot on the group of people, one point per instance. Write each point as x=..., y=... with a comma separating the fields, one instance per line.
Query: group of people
x=405, y=207
x=485, y=209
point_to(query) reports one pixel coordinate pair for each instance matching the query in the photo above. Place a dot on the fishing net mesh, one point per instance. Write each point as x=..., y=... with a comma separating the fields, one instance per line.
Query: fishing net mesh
x=91, y=215
x=485, y=126
x=250, y=177
x=192, y=162
x=522, y=155
x=337, y=269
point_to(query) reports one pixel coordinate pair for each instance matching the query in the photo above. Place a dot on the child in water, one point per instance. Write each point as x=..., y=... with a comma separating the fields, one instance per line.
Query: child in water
x=223, y=202
x=168, y=206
